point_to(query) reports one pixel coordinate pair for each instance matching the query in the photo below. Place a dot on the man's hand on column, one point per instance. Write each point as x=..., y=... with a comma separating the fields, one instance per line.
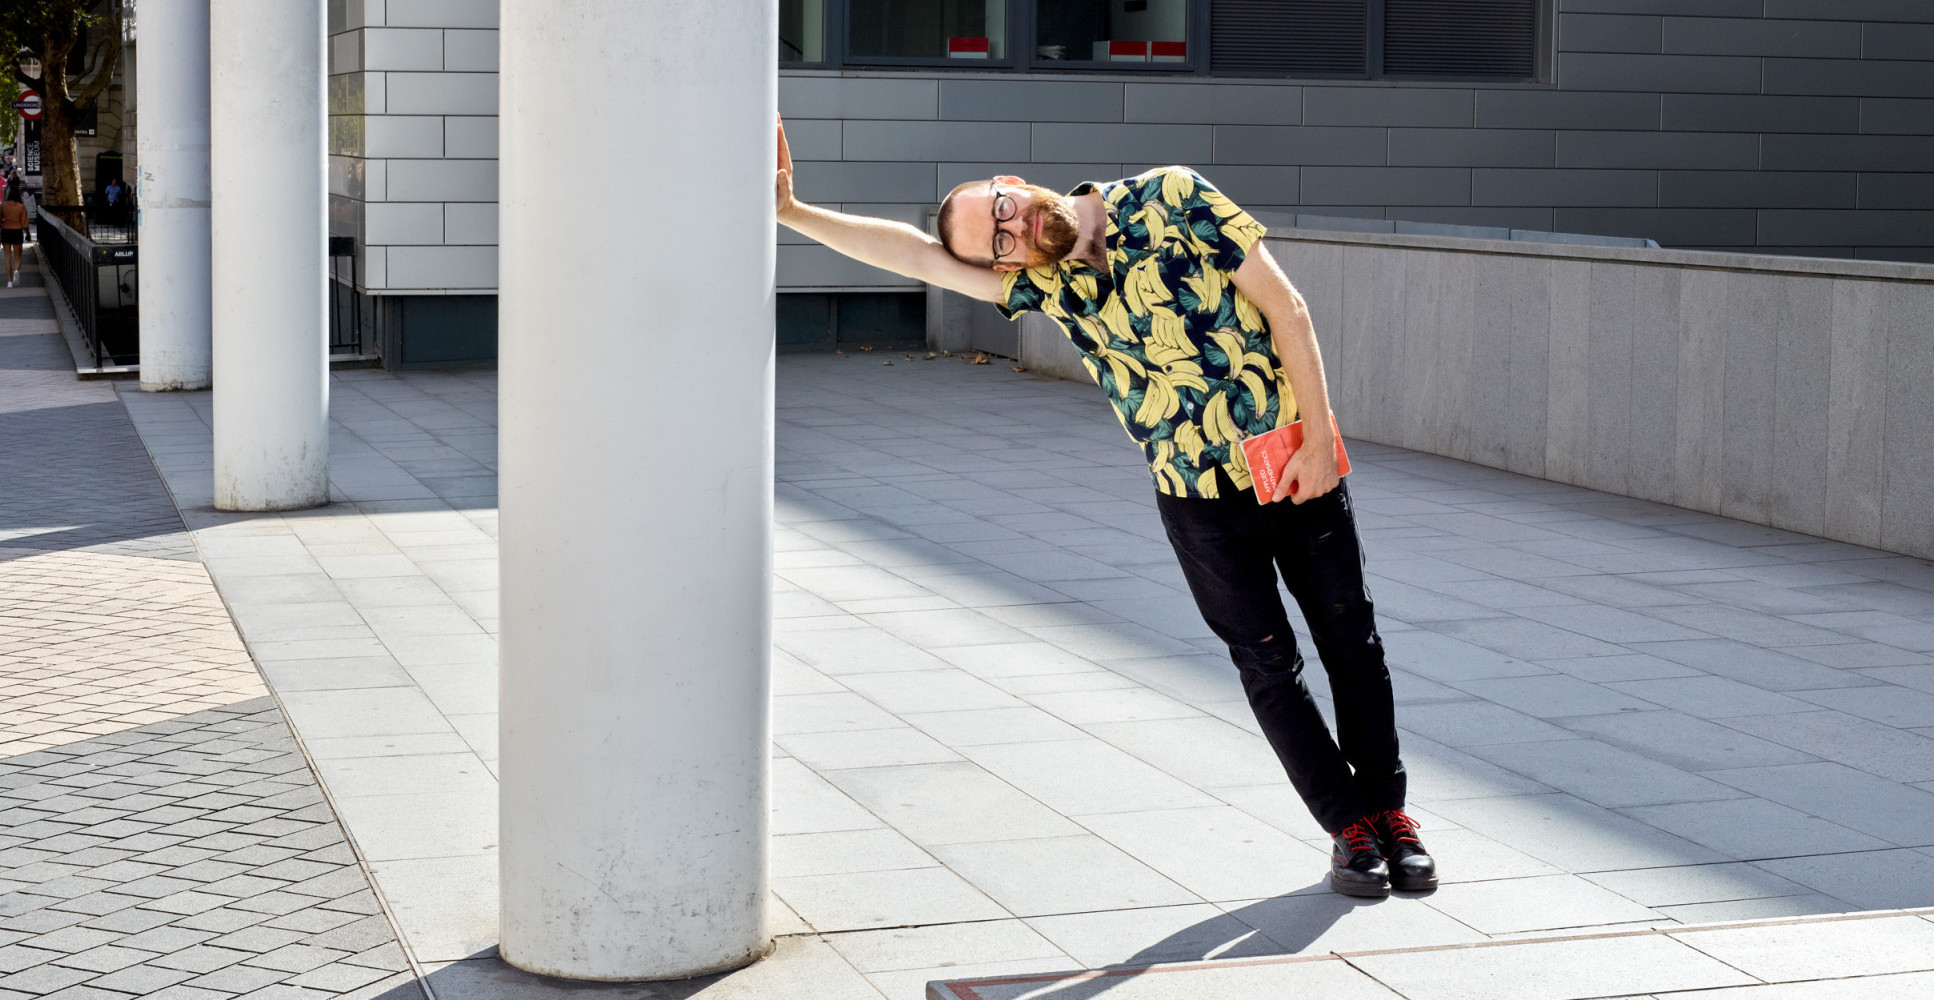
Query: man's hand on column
x=785, y=202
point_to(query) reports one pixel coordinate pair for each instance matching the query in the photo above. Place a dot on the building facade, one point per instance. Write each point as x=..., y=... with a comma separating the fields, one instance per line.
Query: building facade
x=413, y=171
x=1777, y=126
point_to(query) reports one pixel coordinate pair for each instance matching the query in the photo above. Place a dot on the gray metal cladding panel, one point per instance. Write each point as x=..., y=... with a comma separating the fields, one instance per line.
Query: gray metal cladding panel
x=1488, y=216
x=1899, y=116
x=857, y=97
x=1909, y=191
x=811, y=139
x=1274, y=144
x=1386, y=186
x=1570, y=188
x=1558, y=109
x=1877, y=153
x=1056, y=176
x=874, y=182
x=913, y=215
x=1754, y=113
x=880, y=140
x=1730, y=36
x=1852, y=10
x=1700, y=8
x=1030, y=101
x=1708, y=227
x=1864, y=78
x=1898, y=41
x=1423, y=107
x=813, y=266
x=1665, y=150
x=1755, y=189
x=1470, y=147
x=1872, y=229
x=1678, y=74
x=1608, y=33
x=1912, y=255
x=1080, y=143
x=1213, y=103
x=1251, y=185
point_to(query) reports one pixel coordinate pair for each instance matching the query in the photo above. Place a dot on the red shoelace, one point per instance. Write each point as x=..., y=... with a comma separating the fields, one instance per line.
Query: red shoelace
x=1402, y=828
x=1359, y=836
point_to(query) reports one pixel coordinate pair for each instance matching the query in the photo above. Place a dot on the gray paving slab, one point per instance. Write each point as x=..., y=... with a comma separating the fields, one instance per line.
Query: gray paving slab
x=970, y=578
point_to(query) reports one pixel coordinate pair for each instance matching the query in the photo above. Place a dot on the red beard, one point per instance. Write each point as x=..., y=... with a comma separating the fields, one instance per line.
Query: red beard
x=1060, y=226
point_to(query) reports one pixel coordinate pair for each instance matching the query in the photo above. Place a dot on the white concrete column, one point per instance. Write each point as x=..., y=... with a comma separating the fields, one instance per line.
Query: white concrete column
x=172, y=191
x=271, y=247
x=636, y=483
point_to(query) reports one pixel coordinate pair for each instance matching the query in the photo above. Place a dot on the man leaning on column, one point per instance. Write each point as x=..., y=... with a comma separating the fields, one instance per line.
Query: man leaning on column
x=1200, y=341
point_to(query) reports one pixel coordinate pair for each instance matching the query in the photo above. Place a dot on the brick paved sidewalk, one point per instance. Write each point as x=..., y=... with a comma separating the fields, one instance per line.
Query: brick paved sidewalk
x=161, y=834
x=196, y=853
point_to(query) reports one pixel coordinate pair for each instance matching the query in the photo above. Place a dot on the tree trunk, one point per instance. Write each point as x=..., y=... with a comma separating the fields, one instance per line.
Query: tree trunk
x=60, y=157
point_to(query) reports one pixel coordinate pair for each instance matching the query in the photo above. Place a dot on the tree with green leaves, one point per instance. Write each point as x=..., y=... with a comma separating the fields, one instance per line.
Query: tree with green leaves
x=72, y=75
x=9, y=121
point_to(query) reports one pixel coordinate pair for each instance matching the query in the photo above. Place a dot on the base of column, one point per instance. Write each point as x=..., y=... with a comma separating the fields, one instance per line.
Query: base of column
x=752, y=958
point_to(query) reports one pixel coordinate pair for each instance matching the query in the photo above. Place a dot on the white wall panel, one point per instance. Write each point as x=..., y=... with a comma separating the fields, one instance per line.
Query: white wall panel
x=442, y=93
x=391, y=223
x=402, y=49
x=470, y=222
x=442, y=267
x=470, y=137
x=441, y=13
x=387, y=136
x=442, y=180
x=470, y=51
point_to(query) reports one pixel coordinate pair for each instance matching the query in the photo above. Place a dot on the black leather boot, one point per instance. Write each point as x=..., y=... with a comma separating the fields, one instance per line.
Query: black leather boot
x=1411, y=867
x=1356, y=866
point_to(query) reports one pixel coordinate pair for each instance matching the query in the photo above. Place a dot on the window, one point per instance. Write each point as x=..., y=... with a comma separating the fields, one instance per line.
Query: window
x=802, y=31
x=1289, y=37
x=1468, y=38
x=1502, y=40
x=1410, y=39
x=974, y=31
x=1111, y=31
x=1149, y=36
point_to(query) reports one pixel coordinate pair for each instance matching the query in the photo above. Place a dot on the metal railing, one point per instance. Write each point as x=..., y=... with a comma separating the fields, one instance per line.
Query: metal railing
x=97, y=274
x=345, y=306
x=99, y=280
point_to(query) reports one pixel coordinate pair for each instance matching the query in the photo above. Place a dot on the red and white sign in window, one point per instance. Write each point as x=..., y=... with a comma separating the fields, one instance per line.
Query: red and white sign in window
x=967, y=48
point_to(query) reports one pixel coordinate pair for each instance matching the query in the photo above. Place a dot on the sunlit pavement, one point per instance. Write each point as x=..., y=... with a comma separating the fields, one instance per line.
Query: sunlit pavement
x=1007, y=745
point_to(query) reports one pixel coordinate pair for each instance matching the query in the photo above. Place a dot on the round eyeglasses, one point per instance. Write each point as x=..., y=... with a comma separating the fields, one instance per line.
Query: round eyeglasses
x=1004, y=211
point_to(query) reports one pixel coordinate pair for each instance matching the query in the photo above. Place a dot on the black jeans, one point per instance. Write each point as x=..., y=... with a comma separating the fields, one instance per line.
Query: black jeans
x=1231, y=549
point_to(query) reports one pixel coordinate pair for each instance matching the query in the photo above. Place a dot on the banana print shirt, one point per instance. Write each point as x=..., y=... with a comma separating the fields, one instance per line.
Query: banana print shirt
x=1184, y=356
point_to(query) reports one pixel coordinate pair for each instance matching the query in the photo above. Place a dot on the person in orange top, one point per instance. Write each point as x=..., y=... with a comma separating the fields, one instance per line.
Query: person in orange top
x=13, y=232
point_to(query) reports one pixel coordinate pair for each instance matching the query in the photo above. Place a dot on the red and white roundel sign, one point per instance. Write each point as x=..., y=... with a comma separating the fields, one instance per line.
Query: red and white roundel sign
x=28, y=104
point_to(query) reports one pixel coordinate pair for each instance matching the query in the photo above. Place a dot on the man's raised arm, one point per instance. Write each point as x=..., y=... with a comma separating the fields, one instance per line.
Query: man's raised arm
x=894, y=246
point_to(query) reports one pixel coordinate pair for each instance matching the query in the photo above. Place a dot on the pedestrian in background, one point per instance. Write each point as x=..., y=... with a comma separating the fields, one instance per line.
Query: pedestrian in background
x=13, y=231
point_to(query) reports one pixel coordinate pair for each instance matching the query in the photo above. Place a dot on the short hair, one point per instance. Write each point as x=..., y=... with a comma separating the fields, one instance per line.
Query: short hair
x=944, y=221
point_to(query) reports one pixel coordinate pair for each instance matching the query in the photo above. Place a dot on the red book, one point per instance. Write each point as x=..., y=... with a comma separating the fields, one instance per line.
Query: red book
x=1268, y=453
x=967, y=48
